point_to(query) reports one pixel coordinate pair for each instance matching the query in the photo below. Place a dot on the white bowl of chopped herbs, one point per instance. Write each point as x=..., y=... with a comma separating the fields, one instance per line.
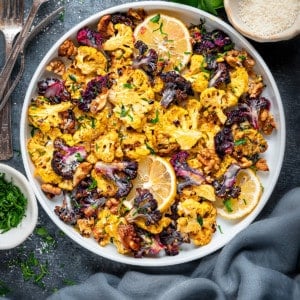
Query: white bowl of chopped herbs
x=18, y=208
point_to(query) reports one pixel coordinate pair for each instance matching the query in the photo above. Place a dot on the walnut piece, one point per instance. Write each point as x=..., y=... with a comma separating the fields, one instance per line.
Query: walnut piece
x=262, y=165
x=56, y=66
x=81, y=172
x=105, y=26
x=128, y=237
x=113, y=205
x=50, y=190
x=67, y=48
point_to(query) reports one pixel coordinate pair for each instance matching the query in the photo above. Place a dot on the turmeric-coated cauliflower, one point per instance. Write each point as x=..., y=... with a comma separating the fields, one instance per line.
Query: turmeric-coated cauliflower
x=90, y=61
x=197, y=220
x=47, y=116
x=238, y=81
x=122, y=40
x=40, y=149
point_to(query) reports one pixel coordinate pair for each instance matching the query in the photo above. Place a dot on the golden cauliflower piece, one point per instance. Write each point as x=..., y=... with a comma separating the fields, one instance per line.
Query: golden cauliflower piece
x=248, y=142
x=40, y=149
x=196, y=75
x=122, y=40
x=47, y=116
x=154, y=228
x=106, y=145
x=90, y=126
x=197, y=220
x=108, y=229
x=106, y=226
x=182, y=124
x=134, y=145
x=90, y=61
x=238, y=81
x=75, y=81
x=212, y=100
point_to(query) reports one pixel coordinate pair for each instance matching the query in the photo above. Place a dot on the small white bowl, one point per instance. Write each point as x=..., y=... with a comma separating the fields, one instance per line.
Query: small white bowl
x=232, y=11
x=19, y=234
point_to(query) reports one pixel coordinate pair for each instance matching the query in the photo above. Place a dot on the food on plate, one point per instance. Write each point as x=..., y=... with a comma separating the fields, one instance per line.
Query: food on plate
x=145, y=129
x=251, y=191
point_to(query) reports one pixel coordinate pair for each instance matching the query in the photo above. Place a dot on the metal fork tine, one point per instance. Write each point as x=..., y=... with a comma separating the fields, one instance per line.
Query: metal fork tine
x=10, y=24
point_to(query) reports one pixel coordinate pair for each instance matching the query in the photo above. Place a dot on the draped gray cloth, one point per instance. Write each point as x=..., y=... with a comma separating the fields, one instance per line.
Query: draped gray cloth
x=261, y=262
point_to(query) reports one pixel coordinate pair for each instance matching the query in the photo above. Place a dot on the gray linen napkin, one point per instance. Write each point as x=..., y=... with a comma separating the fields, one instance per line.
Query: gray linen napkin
x=261, y=262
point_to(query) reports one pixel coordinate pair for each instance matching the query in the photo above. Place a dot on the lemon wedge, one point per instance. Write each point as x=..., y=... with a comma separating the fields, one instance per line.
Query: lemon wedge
x=251, y=191
x=169, y=37
x=157, y=175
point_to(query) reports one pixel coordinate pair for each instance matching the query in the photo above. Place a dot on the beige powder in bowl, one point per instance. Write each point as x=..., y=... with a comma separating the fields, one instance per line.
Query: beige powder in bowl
x=268, y=17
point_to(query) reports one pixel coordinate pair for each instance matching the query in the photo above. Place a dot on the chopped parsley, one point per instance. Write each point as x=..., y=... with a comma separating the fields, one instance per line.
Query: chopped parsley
x=156, y=119
x=228, y=205
x=12, y=205
x=155, y=19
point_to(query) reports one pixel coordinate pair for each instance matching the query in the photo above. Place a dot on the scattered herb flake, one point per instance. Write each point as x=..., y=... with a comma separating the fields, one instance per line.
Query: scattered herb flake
x=155, y=19
x=228, y=205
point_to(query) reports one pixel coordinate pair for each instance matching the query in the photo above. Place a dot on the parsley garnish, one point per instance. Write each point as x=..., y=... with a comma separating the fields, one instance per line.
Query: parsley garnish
x=12, y=205
x=150, y=149
x=156, y=119
x=155, y=19
x=93, y=185
x=240, y=142
x=79, y=158
x=73, y=77
x=228, y=205
x=200, y=220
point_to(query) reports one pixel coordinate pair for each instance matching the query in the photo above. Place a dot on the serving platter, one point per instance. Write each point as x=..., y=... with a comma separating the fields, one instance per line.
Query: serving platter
x=274, y=154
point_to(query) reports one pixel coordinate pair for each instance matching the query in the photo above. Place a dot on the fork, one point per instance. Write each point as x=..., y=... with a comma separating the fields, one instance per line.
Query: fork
x=11, y=22
x=18, y=46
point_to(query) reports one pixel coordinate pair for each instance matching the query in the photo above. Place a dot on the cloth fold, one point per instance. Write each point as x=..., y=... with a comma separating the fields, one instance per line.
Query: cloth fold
x=261, y=262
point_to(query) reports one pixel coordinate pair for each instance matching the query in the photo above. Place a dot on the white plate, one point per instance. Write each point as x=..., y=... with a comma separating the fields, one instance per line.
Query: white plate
x=274, y=155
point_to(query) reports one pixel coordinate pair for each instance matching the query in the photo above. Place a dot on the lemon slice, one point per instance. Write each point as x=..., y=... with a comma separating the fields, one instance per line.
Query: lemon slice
x=157, y=175
x=169, y=37
x=251, y=191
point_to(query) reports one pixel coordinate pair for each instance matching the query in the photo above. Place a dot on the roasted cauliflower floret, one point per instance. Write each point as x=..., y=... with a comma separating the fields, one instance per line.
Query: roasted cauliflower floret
x=248, y=143
x=89, y=126
x=197, y=220
x=212, y=100
x=106, y=145
x=196, y=74
x=106, y=227
x=40, y=149
x=122, y=40
x=131, y=87
x=182, y=124
x=90, y=61
x=135, y=145
x=47, y=116
x=238, y=81
x=75, y=81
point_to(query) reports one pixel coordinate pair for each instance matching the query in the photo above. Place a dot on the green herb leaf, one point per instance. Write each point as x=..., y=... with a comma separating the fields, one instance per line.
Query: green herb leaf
x=93, y=185
x=79, y=158
x=200, y=220
x=156, y=119
x=150, y=149
x=155, y=19
x=210, y=6
x=228, y=205
x=240, y=142
x=4, y=290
